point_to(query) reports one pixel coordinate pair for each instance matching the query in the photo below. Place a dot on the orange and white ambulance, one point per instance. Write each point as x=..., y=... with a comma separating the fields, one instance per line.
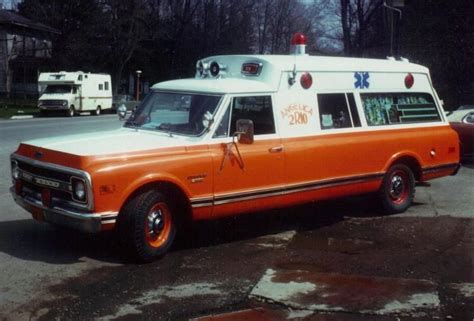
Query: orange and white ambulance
x=248, y=133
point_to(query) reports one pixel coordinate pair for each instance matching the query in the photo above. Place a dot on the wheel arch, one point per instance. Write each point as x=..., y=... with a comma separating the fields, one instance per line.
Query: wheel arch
x=168, y=186
x=409, y=159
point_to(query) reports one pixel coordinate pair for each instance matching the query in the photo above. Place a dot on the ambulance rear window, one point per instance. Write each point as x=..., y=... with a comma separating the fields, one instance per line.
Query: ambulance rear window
x=399, y=108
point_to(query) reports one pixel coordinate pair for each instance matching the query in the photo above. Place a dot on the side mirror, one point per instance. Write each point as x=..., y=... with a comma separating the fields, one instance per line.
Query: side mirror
x=244, y=131
x=122, y=112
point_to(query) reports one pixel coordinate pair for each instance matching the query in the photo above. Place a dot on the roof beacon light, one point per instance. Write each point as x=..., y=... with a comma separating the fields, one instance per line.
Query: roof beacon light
x=298, y=44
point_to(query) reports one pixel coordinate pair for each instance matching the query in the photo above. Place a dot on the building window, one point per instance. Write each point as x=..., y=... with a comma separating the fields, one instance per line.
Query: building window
x=396, y=108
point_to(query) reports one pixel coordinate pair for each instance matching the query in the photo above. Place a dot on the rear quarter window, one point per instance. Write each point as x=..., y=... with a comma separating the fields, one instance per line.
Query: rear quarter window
x=399, y=108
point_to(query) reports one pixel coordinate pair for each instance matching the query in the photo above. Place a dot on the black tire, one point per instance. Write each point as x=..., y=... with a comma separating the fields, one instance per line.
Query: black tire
x=398, y=189
x=147, y=226
x=97, y=111
x=71, y=111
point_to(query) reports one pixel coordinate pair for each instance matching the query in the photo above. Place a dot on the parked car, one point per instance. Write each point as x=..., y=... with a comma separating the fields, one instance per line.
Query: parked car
x=458, y=114
x=127, y=100
x=465, y=129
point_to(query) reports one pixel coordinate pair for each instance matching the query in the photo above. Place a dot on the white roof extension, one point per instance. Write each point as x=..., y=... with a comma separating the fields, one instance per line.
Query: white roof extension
x=233, y=81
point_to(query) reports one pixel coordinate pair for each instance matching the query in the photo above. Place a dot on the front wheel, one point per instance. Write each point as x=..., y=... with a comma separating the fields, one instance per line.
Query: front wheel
x=398, y=189
x=71, y=111
x=146, y=226
x=97, y=111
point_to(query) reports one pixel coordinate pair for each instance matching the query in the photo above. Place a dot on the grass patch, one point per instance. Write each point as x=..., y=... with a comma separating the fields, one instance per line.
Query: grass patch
x=7, y=111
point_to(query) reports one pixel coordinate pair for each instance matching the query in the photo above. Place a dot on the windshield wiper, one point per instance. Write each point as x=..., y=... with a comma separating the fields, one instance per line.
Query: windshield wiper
x=166, y=127
x=133, y=124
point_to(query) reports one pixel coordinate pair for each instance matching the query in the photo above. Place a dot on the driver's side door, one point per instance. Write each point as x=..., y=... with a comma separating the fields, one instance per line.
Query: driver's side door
x=247, y=177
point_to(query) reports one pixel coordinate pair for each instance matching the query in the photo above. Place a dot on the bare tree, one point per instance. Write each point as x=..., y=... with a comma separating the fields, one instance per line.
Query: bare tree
x=356, y=17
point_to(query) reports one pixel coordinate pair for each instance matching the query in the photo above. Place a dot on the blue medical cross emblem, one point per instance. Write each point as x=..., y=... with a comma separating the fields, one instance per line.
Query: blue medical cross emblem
x=362, y=79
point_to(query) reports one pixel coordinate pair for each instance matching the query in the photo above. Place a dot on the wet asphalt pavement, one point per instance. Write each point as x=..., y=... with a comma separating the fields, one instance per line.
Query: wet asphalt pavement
x=335, y=260
x=365, y=267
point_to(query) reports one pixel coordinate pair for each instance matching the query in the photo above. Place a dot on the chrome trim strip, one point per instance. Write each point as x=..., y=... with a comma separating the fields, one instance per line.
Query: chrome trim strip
x=108, y=222
x=438, y=168
x=68, y=170
x=284, y=190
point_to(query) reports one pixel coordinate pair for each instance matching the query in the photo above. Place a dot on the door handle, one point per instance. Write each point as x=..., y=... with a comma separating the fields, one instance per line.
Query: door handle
x=276, y=149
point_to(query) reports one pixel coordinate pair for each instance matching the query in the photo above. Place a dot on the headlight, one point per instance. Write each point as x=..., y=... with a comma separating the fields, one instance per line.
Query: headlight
x=64, y=102
x=15, y=170
x=79, y=192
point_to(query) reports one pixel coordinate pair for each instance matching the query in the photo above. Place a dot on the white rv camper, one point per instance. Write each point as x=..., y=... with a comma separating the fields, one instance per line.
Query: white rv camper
x=75, y=92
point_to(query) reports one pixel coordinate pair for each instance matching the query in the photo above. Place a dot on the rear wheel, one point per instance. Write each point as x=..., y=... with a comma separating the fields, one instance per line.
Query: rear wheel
x=398, y=189
x=147, y=226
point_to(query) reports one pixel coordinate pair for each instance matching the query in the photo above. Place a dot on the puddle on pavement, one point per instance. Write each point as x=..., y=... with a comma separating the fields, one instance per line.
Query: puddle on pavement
x=333, y=292
x=331, y=244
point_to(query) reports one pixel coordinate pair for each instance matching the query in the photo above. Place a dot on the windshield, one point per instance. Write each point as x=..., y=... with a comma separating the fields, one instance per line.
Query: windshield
x=177, y=113
x=58, y=89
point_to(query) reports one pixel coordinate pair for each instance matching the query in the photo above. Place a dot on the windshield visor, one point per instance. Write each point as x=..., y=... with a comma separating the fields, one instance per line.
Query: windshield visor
x=58, y=89
x=176, y=113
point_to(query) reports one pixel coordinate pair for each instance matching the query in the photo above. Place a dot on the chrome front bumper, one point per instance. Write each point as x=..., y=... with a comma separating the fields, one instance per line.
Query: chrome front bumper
x=85, y=222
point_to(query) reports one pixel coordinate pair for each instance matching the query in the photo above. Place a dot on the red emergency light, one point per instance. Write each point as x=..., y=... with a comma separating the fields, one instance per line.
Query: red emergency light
x=306, y=80
x=251, y=68
x=298, y=44
x=298, y=39
x=409, y=80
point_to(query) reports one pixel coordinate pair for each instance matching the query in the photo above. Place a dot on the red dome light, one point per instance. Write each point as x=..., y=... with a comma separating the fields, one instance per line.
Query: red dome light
x=306, y=80
x=409, y=80
x=298, y=39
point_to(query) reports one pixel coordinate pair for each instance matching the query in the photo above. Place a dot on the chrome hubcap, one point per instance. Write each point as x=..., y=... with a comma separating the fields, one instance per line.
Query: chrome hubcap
x=155, y=223
x=397, y=187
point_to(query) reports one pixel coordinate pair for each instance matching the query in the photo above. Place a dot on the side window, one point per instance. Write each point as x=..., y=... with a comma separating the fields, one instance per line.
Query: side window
x=396, y=108
x=333, y=111
x=106, y=85
x=101, y=87
x=256, y=108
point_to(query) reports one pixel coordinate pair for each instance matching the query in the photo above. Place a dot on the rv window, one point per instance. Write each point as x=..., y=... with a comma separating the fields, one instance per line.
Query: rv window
x=79, y=78
x=333, y=111
x=106, y=85
x=396, y=108
x=101, y=87
x=58, y=89
x=256, y=108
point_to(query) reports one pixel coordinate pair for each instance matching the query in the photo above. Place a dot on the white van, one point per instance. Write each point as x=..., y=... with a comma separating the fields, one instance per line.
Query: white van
x=75, y=92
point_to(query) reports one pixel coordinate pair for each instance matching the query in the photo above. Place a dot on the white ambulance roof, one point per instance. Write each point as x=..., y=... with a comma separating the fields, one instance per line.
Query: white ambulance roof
x=213, y=85
x=324, y=63
x=233, y=81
